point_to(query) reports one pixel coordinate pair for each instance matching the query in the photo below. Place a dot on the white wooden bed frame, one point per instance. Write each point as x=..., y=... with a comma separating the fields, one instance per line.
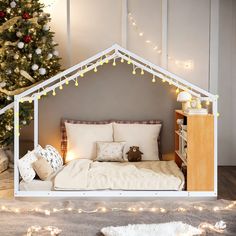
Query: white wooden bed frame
x=112, y=53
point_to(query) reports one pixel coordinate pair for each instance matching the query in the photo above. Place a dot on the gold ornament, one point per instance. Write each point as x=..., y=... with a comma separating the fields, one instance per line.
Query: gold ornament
x=17, y=70
x=9, y=23
x=27, y=76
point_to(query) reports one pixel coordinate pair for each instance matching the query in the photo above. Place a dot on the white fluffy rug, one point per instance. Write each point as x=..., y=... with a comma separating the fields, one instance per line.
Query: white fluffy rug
x=164, y=229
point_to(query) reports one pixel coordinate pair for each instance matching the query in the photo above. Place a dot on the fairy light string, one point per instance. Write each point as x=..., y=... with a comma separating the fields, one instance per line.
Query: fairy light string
x=185, y=64
x=103, y=209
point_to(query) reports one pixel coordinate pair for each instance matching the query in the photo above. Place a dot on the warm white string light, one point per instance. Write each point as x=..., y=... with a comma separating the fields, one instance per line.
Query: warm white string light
x=54, y=231
x=105, y=59
x=186, y=64
x=48, y=212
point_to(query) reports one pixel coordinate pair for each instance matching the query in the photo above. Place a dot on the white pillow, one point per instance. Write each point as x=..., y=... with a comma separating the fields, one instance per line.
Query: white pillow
x=142, y=135
x=52, y=156
x=25, y=165
x=82, y=139
x=110, y=151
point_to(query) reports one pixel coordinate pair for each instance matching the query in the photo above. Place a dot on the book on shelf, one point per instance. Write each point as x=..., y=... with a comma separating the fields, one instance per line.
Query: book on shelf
x=195, y=111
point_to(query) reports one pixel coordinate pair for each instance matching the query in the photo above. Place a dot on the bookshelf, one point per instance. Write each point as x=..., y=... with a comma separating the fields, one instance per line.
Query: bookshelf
x=197, y=152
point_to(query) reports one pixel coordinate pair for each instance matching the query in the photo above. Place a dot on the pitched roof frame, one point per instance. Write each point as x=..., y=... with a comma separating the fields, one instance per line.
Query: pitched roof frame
x=97, y=60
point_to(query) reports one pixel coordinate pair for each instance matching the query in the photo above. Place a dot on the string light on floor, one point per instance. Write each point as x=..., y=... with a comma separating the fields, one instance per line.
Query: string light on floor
x=55, y=210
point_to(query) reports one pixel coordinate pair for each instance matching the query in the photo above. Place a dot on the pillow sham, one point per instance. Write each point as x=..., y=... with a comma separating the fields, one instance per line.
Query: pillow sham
x=42, y=168
x=143, y=135
x=51, y=154
x=110, y=151
x=64, y=139
x=25, y=165
x=82, y=138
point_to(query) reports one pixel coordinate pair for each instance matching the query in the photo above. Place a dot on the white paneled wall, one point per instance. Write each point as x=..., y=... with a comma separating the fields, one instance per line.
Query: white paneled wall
x=95, y=25
x=148, y=15
x=188, y=40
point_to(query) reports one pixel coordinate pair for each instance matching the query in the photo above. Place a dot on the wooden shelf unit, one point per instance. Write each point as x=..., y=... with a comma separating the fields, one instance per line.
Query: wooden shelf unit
x=200, y=150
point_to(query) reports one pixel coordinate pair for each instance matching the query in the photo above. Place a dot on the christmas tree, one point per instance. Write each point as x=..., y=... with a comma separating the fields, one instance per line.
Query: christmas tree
x=27, y=57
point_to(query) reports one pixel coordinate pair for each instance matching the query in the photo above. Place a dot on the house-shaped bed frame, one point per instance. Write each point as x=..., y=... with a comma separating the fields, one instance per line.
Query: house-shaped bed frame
x=72, y=74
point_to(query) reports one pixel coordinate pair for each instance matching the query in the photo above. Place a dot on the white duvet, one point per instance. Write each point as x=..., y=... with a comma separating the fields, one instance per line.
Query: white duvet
x=84, y=174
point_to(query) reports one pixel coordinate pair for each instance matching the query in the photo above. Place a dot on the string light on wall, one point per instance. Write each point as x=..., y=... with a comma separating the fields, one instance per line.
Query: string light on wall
x=185, y=64
x=141, y=34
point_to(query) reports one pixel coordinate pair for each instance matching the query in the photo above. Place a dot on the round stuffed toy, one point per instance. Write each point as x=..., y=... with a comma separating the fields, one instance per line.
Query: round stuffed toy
x=134, y=154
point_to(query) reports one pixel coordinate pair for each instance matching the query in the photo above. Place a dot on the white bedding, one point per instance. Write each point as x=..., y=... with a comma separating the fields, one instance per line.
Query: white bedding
x=84, y=174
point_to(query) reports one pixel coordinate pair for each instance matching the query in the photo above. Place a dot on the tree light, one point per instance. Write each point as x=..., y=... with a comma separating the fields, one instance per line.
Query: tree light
x=142, y=72
x=54, y=92
x=122, y=60
x=67, y=82
x=163, y=80
x=207, y=103
x=177, y=90
x=134, y=72
x=61, y=87
x=82, y=74
x=114, y=62
x=95, y=69
x=107, y=61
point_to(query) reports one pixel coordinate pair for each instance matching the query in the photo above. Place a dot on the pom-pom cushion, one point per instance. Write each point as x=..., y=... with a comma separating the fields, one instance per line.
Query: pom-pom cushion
x=82, y=138
x=144, y=136
x=110, y=151
x=25, y=165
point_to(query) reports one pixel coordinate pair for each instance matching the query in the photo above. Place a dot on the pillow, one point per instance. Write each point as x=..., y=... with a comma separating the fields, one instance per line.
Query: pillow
x=64, y=134
x=143, y=135
x=25, y=165
x=42, y=168
x=110, y=151
x=52, y=156
x=82, y=138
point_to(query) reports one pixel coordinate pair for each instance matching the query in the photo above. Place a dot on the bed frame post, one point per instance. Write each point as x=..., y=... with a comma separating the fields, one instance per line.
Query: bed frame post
x=215, y=113
x=36, y=125
x=16, y=145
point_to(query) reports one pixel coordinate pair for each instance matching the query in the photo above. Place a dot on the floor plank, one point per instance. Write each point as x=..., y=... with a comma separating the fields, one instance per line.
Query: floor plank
x=226, y=183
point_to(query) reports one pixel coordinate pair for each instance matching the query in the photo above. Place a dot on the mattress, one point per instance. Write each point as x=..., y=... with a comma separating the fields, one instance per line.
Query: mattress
x=84, y=174
x=169, y=178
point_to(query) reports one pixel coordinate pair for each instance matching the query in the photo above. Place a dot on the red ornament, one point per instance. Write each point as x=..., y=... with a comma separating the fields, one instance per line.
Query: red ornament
x=27, y=38
x=2, y=14
x=26, y=16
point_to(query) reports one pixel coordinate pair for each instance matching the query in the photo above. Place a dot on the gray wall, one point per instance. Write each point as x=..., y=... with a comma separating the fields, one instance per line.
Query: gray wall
x=227, y=82
x=111, y=93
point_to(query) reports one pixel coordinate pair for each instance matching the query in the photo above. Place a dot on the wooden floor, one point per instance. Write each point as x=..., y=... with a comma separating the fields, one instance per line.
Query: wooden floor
x=226, y=183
